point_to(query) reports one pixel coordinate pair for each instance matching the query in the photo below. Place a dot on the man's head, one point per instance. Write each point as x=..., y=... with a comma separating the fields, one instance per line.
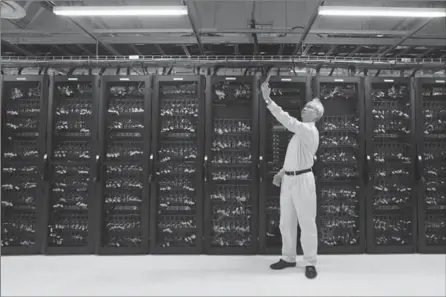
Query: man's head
x=312, y=111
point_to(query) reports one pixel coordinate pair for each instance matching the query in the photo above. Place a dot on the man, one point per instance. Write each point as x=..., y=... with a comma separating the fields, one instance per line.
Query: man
x=298, y=189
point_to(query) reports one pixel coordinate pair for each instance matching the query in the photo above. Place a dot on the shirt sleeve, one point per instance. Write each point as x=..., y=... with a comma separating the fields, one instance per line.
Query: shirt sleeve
x=290, y=123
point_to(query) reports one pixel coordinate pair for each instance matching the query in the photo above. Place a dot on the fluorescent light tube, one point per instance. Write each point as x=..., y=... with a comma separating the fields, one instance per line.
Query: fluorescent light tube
x=124, y=78
x=120, y=10
x=72, y=78
x=440, y=81
x=177, y=78
x=409, y=12
x=388, y=80
x=339, y=79
x=230, y=78
x=286, y=79
x=20, y=78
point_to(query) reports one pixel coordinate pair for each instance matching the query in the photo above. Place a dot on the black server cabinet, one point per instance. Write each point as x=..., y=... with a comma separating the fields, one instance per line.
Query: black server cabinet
x=431, y=164
x=71, y=133
x=230, y=165
x=391, y=203
x=291, y=93
x=176, y=220
x=24, y=111
x=122, y=182
x=339, y=167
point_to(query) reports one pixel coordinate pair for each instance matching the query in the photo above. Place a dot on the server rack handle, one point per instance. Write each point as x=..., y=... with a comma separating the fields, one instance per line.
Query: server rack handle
x=260, y=167
x=151, y=168
x=205, y=169
x=45, y=168
x=419, y=168
x=98, y=169
x=367, y=172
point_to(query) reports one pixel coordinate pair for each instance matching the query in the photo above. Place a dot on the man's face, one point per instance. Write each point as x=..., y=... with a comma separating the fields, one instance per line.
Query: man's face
x=309, y=113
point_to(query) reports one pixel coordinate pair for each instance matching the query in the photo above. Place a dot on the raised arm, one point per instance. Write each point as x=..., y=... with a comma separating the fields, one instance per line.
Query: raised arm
x=290, y=123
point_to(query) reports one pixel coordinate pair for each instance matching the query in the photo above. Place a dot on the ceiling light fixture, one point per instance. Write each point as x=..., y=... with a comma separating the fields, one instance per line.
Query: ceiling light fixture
x=409, y=12
x=120, y=10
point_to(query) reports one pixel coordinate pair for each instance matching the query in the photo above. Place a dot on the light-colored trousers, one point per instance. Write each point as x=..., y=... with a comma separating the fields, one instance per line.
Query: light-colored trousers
x=298, y=205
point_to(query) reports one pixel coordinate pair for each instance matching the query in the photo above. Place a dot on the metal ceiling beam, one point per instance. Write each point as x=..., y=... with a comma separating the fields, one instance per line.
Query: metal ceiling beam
x=186, y=50
x=356, y=50
x=84, y=49
x=236, y=49
x=253, y=26
x=427, y=52
x=49, y=6
x=36, y=16
x=135, y=49
x=33, y=11
x=160, y=49
x=194, y=27
x=16, y=48
x=405, y=51
x=228, y=31
x=17, y=24
x=412, y=33
x=307, y=29
x=332, y=49
x=60, y=49
x=314, y=40
x=306, y=49
x=228, y=61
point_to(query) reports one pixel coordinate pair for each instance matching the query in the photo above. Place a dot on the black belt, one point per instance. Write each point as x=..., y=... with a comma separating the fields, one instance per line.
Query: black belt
x=297, y=172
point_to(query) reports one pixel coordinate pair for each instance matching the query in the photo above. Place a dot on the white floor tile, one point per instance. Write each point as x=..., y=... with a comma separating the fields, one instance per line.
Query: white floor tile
x=340, y=275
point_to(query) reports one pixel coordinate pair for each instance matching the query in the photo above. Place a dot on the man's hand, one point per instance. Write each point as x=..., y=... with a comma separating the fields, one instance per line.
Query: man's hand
x=266, y=90
x=277, y=180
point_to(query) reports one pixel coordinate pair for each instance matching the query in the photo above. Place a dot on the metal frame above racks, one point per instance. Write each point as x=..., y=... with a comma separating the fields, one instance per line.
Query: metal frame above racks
x=234, y=61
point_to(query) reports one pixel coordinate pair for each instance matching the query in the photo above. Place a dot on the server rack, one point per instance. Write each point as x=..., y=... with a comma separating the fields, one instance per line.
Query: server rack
x=24, y=176
x=291, y=93
x=339, y=167
x=122, y=181
x=431, y=164
x=230, y=165
x=391, y=203
x=176, y=163
x=71, y=130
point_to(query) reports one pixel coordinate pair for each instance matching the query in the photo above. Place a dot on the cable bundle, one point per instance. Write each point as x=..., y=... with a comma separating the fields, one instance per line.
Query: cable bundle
x=434, y=161
x=337, y=166
x=390, y=168
x=21, y=177
x=123, y=171
x=231, y=165
x=70, y=159
x=176, y=168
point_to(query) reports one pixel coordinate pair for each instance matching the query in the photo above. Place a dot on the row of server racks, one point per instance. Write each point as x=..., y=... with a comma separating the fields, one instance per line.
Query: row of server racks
x=184, y=164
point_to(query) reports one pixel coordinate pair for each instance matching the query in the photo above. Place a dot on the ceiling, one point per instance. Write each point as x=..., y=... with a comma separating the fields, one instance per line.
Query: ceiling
x=226, y=28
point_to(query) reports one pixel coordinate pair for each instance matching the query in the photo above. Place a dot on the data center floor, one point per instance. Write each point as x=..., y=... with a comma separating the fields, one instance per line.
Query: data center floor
x=352, y=275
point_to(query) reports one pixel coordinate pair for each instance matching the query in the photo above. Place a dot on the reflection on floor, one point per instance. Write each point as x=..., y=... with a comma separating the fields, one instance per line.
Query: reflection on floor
x=339, y=275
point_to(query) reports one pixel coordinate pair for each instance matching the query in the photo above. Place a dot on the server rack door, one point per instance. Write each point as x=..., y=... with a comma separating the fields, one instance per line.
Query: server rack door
x=123, y=184
x=339, y=167
x=23, y=169
x=391, y=207
x=431, y=164
x=230, y=163
x=71, y=131
x=291, y=93
x=177, y=148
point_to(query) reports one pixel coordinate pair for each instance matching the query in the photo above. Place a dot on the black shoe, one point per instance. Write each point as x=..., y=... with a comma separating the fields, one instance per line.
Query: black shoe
x=282, y=265
x=310, y=272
